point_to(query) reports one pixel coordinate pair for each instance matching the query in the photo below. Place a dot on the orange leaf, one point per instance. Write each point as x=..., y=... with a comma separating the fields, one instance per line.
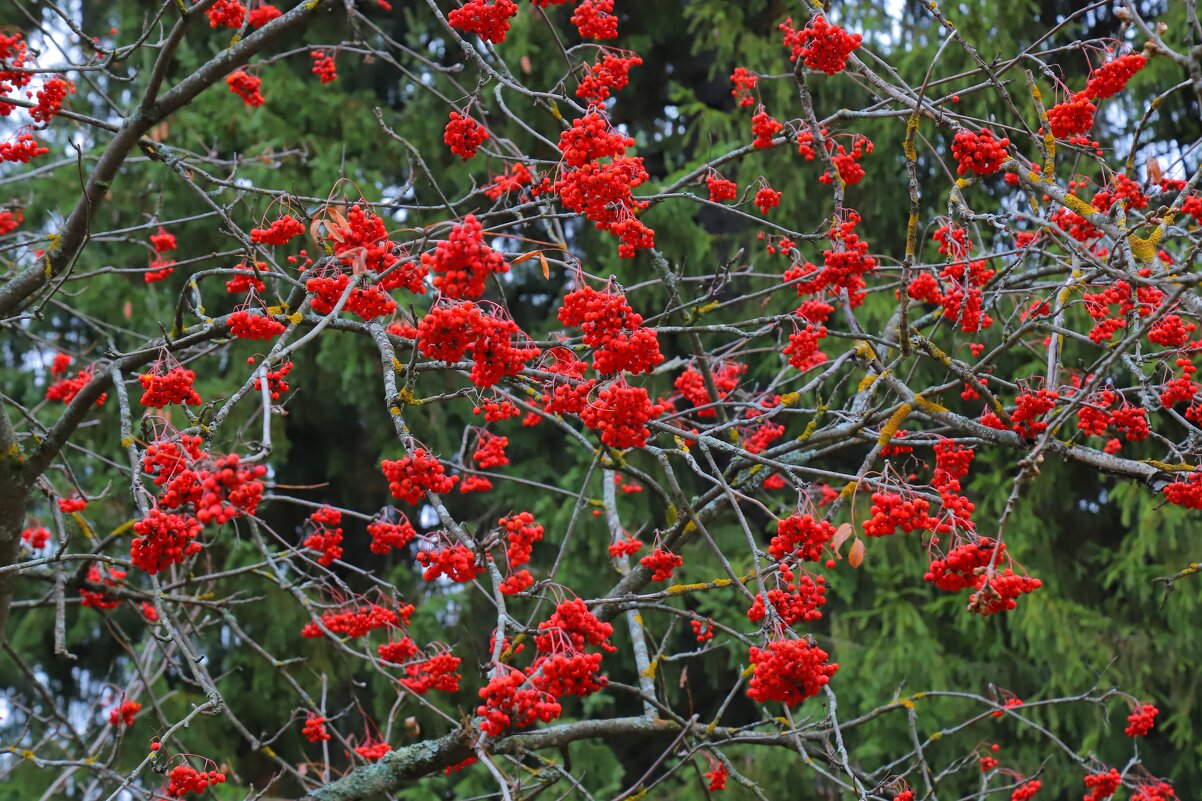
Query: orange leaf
x=842, y=533
x=855, y=557
x=546, y=267
x=1154, y=171
x=525, y=257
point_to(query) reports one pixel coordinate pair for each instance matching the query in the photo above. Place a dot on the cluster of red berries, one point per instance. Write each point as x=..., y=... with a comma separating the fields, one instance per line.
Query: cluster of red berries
x=448, y=330
x=488, y=19
x=847, y=162
x=743, y=82
x=280, y=232
x=721, y=189
x=620, y=414
x=521, y=532
x=1112, y=77
x=1187, y=493
x=71, y=505
x=373, y=751
x=509, y=702
x=123, y=715
x=691, y=384
x=625, y=547
x=767, y=199
x=661, y=563
x=1072, y=117
x=363, y=242
x=703, y=630
x=385, y=535
x=65, y=390
x=1170, y=331
x=1102, y=785
x=327, y=535
x=36, y=538
x=410, y=477
x=507, y=182
x=173, y=386
x=613, y=329
x=1029, y=407
x=610, y=74
x=252, y=325
x=823, y=46
x=844, y=264
x=359, y=622
x=368, y=302
x=891, y=511
x=246, y=280
x=277, y=384
x=22, y=150
x=185, y=779
x=1140, y=721
x=803, y=348
x=314, y=729
x=716, y=778
x=573, y=627
x=436, y=673
x=164, y=539
x=763, y=436
x=796, y=601
x=262, y=14
x=14, y=54
x=980, y=153
x=1155, y=791
x=788, y=671
x=462, y=263
x=111, y=577
x=967, y=567
x=161, y=266
x=50, y=99
x=397, y=652
x=456, y=562
x=595, y=19
x=10, y=220
x=1026, y=791
x=226, y=13
x=800, y=536
x=764, y=128
x=230, y=489
x=603, y=191
x=246, y=86
x=323, y=66
x=463, y=136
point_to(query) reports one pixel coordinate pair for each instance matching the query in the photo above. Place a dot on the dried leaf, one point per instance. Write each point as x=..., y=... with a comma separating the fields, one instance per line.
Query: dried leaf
x=524, y=61
x=855, y=557
x=842, y=534
x=412, y=728
x=1154, y=171
x=546, y=266
x=525, y=257
x=684, y=676
x=128, y=310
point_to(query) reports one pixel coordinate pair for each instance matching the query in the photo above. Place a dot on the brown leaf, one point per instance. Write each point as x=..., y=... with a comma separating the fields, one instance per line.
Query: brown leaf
x=524, y=61
x=546, y=267
x=855, y=557
x=684, y=676
x=412, y=728
x=525, y=257
x=1154, y=171
x=842, y=533
x=128, y=310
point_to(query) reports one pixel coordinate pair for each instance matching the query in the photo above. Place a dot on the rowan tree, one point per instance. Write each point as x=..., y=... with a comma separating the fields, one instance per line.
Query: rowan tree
x=411, y=398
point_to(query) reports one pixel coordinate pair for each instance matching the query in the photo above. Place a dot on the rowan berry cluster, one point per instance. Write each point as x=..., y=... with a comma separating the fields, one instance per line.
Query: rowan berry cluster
x=743, y=82
x=767, y=199
x=252, y=325
x=262, y=14
x=226, y=13
x=456, y=562
x=438, y=672
x=510, y=702
x=1072, y=117
x=800, y=536
x=823, y=46
x=281, y=231
x=1112, y=77
x=1141, y=720
x=613, y=329
x=762, y=437
x=397, y=652
x=36, y=538
x=703, y=630
x=625, y=547
x=521, y=532
x=1029, y=407
x=890, y=511
x=1102, y=785
x=111, y=577
x=123, y=714
x=716, y=778
x=980, y=153
x=795, y=601
x=610, y=74
x=185, y=779
x=229, y=489
x=359, y=622
x=488, y=19
x=410, y=477
x=65, y=390
x=462, y=263
x=246, y=86
x=71, y=505
x=620, y=414
x=314, y=729
x=573, y=627
x=595, y=19
x=463, y=136
x=246, y=280
x=788, y=671
x=764, y=128
x=164, y=539
x=385, y=535
x=844, y=265
x=22, y=150
x=323, y=66
x=847, y=162
x=691, y=384
x=721, y=189
x=1026, y=791
x=662, y=564
x=173, y=386
x=803, y=348
x=968, y=567
x=373, y=751
x=161, y=266
x=507, y=182
x=277, y=384
x=50, y=99
x=327, y=535
x=603, y=191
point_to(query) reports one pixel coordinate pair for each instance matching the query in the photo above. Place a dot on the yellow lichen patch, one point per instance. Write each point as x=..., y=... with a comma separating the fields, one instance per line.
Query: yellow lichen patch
x=649, y=671
x=680, y=589
x=395, y=411
x=893, y=424
x=864, y=350
x=407, y=397
x=1078, y=205
x=127, y=441
x=722, y=582
x=908, y=142
x=849, y=489
x=295, y=318
x=1145, y=249
x=929, y=406
x=1180, y=467
x=790, y=398
x=867, y=381
x=707, y=308
x=811, y=427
